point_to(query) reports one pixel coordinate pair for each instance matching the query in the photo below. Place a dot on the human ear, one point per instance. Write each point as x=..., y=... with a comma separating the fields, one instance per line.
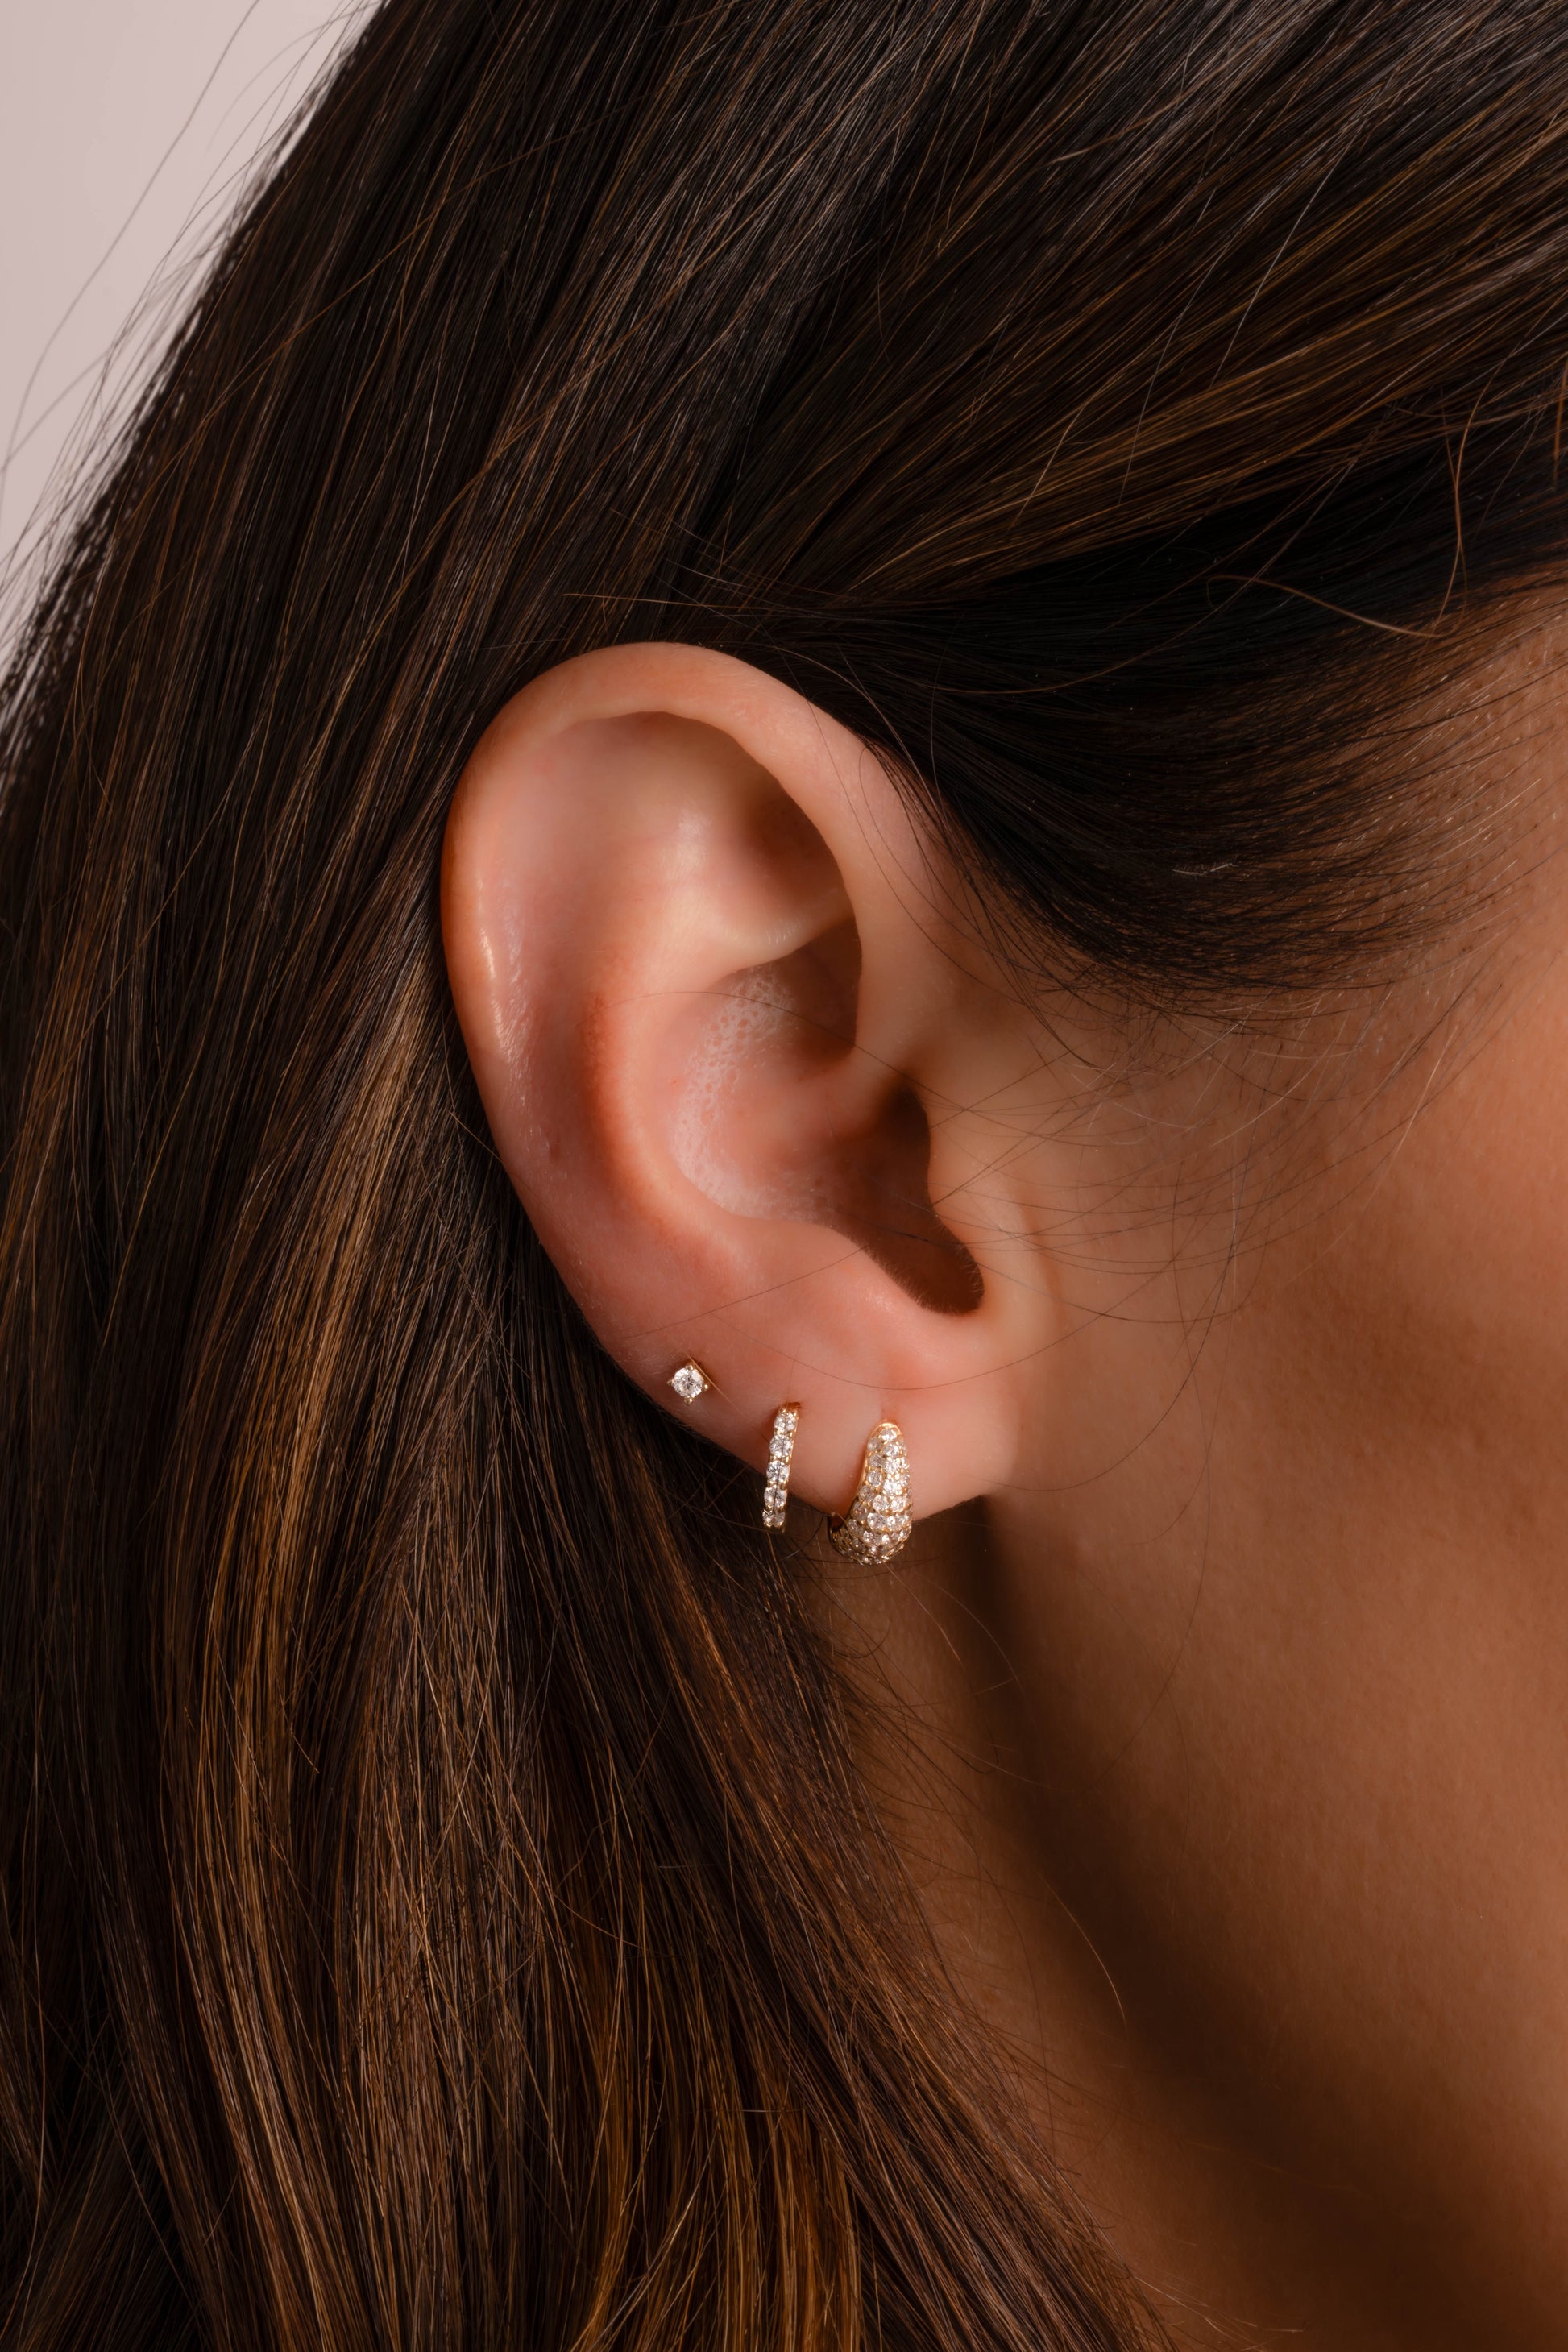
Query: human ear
x=726, y=1037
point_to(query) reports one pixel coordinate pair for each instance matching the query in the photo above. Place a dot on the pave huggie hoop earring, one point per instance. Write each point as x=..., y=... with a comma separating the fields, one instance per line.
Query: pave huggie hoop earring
x=781, y=1454
x=878, y=1524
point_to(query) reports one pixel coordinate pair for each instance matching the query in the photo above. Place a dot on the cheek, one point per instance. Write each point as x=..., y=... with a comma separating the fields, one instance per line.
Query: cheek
x=1369, y=1401
x=1289, y=1604
x=1423, y=1329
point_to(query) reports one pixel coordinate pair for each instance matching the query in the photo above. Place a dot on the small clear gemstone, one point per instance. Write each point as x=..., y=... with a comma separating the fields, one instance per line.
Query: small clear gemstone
x=689, y=1382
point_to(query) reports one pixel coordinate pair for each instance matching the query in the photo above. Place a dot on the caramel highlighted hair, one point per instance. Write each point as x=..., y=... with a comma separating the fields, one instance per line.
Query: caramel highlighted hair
x=439, y=1908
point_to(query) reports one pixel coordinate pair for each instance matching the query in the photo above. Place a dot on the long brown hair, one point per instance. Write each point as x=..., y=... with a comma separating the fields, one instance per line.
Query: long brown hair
x=439, y=1907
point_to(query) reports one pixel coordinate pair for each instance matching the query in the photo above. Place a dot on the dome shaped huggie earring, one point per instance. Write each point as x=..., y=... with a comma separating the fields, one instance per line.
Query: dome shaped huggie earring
x=876, y=1526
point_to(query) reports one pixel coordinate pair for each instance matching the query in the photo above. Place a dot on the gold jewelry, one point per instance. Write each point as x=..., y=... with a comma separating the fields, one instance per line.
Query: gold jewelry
x=781, y=1454
x=689, y=1382
x=876, y=1526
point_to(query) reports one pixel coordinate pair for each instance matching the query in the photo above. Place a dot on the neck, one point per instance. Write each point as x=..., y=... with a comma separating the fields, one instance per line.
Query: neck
x=1231, y=2192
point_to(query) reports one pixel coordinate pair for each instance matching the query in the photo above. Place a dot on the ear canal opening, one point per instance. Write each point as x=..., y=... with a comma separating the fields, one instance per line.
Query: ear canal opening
x=873, y=1184
x=877, y=1188
x=883, y=1202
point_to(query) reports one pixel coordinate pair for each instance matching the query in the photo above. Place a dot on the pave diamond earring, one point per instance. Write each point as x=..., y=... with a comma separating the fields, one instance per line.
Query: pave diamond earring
x=781, y=1454
x=877, y=1524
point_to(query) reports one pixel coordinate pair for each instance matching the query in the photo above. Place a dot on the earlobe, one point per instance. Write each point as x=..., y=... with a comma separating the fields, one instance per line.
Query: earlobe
x=689, y=929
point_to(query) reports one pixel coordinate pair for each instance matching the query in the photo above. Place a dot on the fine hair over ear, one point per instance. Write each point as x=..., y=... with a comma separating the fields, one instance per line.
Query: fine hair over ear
x=437, y=1905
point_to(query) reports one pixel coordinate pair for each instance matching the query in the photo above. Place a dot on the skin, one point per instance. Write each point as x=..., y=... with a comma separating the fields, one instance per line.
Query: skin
x=1225, y=1683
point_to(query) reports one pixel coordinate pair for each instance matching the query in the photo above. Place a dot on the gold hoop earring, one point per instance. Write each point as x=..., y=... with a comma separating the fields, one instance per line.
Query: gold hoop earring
x=781, y=1455
x=877, y=1525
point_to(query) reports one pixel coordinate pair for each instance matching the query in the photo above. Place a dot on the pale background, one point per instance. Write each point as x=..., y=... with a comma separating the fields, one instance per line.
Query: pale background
x=127, y=127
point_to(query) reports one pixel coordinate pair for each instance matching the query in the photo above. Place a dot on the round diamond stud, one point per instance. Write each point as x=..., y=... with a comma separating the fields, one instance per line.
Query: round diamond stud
x=689, y=1382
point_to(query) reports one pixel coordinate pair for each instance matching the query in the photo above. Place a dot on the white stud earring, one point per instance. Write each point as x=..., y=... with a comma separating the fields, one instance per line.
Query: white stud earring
x=689, y=1382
